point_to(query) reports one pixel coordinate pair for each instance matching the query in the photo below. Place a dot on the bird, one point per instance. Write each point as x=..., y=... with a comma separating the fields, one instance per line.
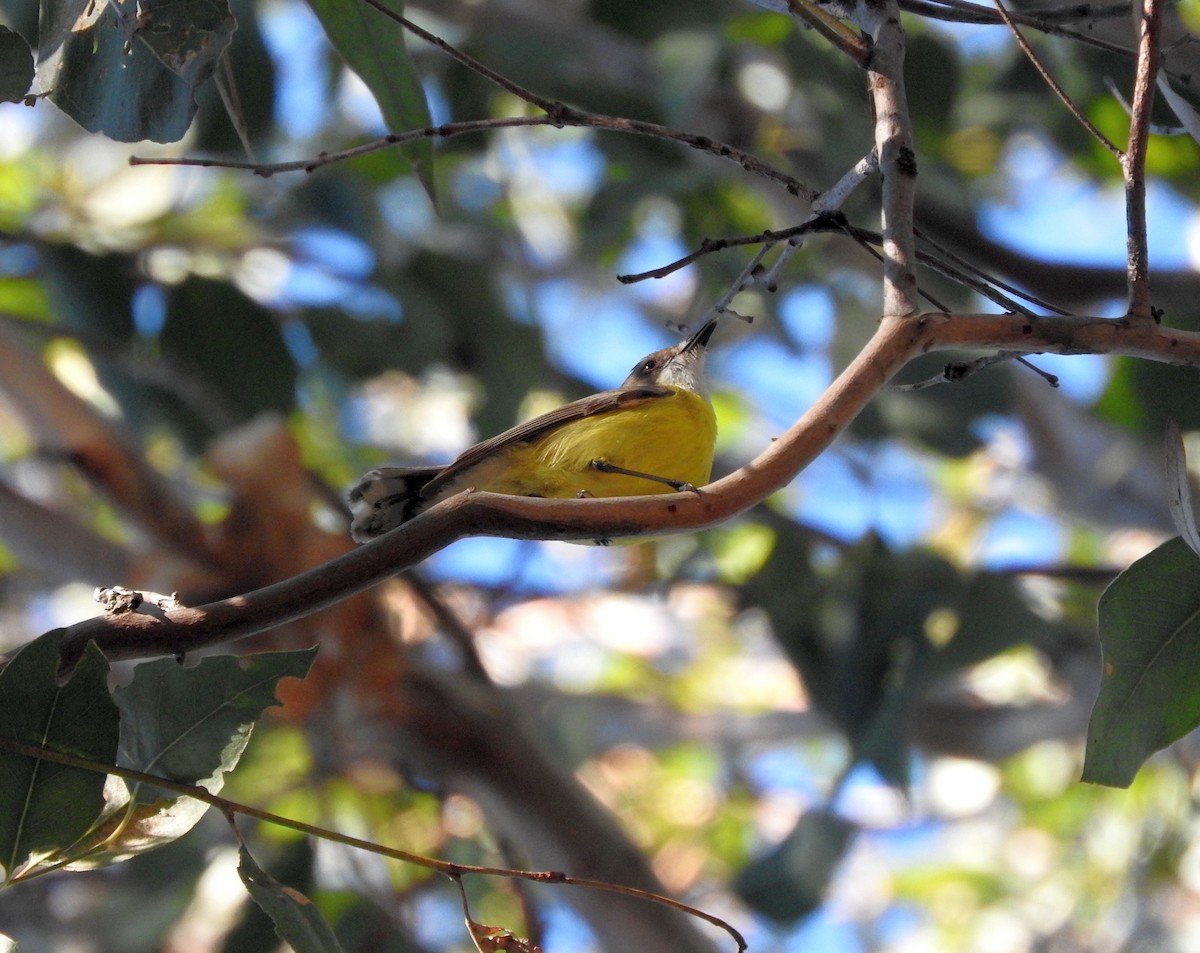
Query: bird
x=654, y=434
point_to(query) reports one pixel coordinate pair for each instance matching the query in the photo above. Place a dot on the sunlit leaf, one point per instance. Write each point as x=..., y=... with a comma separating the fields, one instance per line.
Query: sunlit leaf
x=1150, y=633
x=297, y=921
x=191, y=724
x=45, y=807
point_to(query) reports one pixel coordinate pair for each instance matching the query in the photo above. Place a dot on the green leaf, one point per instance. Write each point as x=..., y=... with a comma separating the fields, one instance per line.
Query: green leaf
x=16, y=66
x=790, y=881
x=373, y=46
x=113, y=76
x=46, y=807
x=192, y=724
x=187, y=724
x=187, y=36
x=297, y=920
x=1150, y=635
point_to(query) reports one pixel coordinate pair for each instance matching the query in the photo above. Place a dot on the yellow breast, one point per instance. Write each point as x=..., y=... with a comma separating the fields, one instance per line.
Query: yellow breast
x=671, y=437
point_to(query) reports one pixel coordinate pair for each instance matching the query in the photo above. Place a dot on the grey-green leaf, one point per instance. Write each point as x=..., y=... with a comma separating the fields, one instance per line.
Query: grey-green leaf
x=16, y=66
x=373, y=46
x=297, y=920
x=192, y=724
x=131, y=72
x=1150, y=634
x=45, y=807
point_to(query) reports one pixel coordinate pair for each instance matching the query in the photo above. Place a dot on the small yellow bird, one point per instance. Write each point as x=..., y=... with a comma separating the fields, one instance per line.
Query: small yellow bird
x=653, y=434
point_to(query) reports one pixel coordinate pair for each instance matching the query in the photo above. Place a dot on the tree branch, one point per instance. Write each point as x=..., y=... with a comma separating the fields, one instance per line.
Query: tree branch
x=897, y=158
x=472, y=513
x=1133, y=162
x=557, y=114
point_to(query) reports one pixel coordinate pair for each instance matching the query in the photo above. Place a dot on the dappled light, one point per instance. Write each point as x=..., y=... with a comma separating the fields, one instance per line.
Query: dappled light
x=915, y=671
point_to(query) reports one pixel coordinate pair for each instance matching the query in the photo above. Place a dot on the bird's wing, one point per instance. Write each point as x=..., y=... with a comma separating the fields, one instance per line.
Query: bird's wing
x=606, y=402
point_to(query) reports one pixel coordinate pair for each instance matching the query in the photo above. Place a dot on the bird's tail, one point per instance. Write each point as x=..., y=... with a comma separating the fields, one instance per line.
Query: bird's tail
x=385, y=498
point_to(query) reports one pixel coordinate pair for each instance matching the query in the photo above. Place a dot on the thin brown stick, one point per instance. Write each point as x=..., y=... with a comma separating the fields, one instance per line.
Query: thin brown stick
x=474, y=65
x=1133, y=163
x=1046, y=21
x=562, y=116
x=832, y=29
x=709, y=246
x=230, y=808
x=268, y=169
x=897, y=159
x=1053, y=83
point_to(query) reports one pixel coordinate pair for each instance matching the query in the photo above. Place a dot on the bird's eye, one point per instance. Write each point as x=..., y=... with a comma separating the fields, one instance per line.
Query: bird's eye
x=650, y=365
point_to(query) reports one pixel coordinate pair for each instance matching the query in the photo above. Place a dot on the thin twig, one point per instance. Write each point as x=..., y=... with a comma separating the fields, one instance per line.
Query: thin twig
x=834, y=197
x=562, y=115
x=966, y=266
x=832, y=29
x=1051, y=379
x=771, y=278
x=953, y=373
x=1044, y=21
x=230, y=808
x=749, y=274
x=268, y=169
x=957, y=371
x=708, y=246
x=945, y=263
x=1133, y=163
x=1053, y=83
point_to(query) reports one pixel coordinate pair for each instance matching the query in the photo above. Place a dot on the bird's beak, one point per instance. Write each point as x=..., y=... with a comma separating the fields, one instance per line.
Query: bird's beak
x=700, y=338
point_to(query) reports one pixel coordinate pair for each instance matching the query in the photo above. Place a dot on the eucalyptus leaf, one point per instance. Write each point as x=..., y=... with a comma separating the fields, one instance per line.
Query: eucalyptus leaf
x=46, y=807
x=373, y=45
x=191, y=724
x=1150, y=634
x=297, y=920
x=130, y=70
x=16, y=66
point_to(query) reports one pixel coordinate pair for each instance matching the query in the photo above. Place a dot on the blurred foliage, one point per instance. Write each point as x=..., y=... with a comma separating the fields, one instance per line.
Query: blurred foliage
x=850, y=719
